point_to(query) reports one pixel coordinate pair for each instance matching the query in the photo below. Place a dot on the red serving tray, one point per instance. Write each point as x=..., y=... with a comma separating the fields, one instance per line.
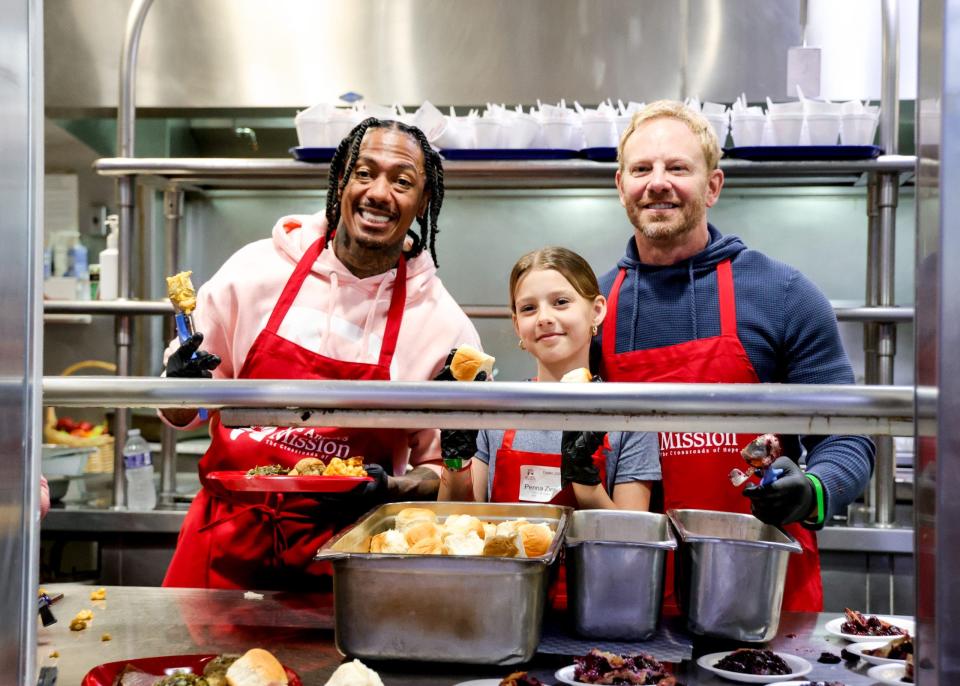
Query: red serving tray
x=105, y=674
x=239, y=481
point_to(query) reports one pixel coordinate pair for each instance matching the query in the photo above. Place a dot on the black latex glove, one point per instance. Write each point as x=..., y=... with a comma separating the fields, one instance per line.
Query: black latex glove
x=576, y=457
x=456, y=445
x=182, y=363
x=791, y=498
x=364, y=497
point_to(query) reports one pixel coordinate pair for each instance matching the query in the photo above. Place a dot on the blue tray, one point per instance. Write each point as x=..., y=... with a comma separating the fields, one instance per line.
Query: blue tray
x=510, y=154
x=313, y=154
x=766, y=153
x=600, y=154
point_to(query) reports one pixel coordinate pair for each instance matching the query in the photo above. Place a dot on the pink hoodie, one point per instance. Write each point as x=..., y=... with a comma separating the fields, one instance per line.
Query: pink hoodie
x=335, y=314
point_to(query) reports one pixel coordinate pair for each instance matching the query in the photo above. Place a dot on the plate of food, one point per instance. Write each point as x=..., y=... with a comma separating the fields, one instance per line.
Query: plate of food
x=893, y=675
x=855, y=626
x=755, y=666
x=309, y=475
x=183, y=670
x=600, y=667
x=884, y=652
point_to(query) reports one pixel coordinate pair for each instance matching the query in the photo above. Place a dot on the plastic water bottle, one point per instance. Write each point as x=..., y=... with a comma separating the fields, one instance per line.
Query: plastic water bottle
x=138, y=467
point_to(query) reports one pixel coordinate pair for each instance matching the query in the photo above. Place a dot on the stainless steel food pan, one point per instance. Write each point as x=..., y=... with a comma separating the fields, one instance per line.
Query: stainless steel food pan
x=730, y=573
x=615, y=565
x=481, y=610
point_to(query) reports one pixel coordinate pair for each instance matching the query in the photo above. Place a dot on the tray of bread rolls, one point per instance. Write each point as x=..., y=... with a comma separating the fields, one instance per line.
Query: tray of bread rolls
x=445, y=581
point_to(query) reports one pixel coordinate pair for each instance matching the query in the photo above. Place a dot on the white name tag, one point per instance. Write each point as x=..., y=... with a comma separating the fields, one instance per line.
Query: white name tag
x=539, y=484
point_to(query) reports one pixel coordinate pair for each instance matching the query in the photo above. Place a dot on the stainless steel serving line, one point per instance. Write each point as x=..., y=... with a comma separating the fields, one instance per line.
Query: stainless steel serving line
x=810, y=409
x=163, y=307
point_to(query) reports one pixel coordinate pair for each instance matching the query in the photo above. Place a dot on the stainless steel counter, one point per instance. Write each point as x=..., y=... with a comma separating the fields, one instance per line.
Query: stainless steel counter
x=297, y=628
x=842, y=538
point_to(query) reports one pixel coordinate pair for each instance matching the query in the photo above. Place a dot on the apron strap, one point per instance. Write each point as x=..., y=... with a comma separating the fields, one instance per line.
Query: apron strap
x=273, y=519
x=507, y=442
x=293, y=285
x=395, y=314
x=609, y=336
x=728, y=302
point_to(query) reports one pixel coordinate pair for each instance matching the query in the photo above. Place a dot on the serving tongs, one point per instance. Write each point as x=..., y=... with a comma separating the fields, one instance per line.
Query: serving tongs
x=759, y=454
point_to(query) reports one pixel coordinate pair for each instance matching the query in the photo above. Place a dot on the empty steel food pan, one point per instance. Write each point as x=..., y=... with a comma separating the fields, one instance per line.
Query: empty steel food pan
x=730, y=573
x=615, y=565
x=481, y=610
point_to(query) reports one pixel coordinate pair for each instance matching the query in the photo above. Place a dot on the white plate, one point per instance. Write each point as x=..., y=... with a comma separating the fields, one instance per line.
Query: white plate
x=798, y=667
x=833, y=627
x=480, y=682
x=887, y=674
x=566, y=676
x=858, y=648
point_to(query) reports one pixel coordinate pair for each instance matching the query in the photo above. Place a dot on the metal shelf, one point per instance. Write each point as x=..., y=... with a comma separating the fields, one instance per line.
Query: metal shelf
x=206, y=173
x=807, y=409
x=163, y=307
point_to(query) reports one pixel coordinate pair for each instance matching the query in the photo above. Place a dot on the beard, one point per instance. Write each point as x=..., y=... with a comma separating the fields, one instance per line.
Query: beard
x=669, y=229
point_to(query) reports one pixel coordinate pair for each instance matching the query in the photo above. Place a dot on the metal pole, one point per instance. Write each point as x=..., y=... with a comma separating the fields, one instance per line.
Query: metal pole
x=126, y=120
x=172, y=213
x=890, y=77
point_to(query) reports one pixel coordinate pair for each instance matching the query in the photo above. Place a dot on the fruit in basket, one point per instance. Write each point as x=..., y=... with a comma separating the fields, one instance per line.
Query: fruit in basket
x=79, y=429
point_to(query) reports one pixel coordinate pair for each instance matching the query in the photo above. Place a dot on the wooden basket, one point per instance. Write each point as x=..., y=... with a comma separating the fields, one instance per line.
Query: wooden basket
x=100, y=461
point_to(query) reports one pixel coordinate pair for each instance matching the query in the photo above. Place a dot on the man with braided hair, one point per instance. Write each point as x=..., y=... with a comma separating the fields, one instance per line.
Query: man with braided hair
x=351, y=293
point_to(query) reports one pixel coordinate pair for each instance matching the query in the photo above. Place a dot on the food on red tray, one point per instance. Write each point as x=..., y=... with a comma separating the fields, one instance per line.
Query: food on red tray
x=521, y=679
x=897, y=649
x=468, y=363
x=599, y=667
x=312, y=466
x=256, y=667
x=753, y=661
x=858, y=624
x=268, y=470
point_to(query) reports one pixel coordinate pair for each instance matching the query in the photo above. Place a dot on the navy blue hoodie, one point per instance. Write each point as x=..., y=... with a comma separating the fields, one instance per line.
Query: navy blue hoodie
x=786, y=325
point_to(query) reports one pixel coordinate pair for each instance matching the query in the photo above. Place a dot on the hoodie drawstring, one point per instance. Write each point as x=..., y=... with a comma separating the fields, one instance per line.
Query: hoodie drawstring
x=693, y=299
x=334, y=287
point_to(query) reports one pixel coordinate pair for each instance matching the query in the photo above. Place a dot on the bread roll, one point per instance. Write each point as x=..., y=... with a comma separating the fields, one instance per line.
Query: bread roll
x=256, y=667
x=308, y=466
x=489, y=530
x=578, y=375
x=390, y=541
x=510, y=527
x=463, y=544
x=409, y=516
x=422, y=530
x=427, y=546
x=504, y=546
x=467, y=362
x=462, y=524
x=354, y=674
x=536, y=539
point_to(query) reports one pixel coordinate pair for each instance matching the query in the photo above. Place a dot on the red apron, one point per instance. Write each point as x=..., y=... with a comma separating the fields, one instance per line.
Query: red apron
x=695, y=466
x=521, y=476
x=267, y=541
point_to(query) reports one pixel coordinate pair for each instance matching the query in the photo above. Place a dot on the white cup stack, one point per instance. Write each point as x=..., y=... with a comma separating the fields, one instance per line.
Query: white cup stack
x=858, y=123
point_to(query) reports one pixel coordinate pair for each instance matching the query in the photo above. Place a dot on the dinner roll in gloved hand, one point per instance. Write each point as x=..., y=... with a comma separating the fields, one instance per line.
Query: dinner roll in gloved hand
x=791, y=498
x=466, y=363
x=184, y=365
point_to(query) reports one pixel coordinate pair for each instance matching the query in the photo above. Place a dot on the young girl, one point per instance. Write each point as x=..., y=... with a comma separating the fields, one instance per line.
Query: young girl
x=557, y=307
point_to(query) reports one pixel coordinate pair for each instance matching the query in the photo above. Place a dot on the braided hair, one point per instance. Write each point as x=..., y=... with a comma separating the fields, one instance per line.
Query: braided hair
x=341, y=167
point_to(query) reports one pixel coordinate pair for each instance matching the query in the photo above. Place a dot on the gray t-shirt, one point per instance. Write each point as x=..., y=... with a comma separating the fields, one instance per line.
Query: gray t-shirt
x=633, y=456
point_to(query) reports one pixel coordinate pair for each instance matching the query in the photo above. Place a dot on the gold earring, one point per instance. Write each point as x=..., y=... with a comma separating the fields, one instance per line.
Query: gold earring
x=593, y=330
x=521, y=345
